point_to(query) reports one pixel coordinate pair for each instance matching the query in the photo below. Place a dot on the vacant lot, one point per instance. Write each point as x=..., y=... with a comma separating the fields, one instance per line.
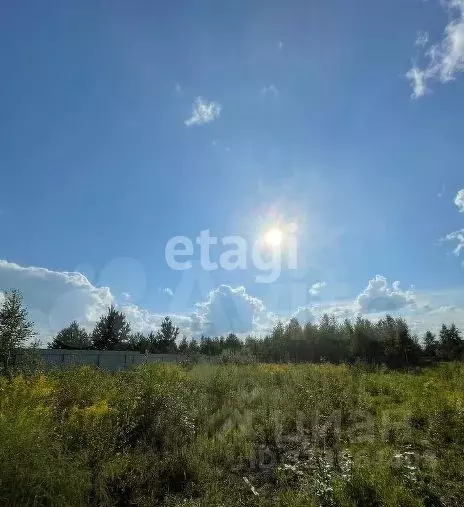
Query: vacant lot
x=234, y=435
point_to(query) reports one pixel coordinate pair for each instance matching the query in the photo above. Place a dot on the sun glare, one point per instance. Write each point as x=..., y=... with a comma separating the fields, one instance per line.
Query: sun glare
x=274, y=237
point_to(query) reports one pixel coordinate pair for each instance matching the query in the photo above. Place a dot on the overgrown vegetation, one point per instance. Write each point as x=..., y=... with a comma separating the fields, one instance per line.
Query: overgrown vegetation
x=265, y=434
x=375, y=431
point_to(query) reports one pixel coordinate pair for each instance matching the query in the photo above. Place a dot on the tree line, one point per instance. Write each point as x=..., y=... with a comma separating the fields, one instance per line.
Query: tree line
x=389, y=341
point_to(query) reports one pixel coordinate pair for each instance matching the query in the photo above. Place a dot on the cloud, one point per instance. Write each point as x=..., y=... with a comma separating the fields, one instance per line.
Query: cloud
x=55, y=298
x=203, y=112
x=422, y=39
x=144, y=321
x=231, y=310
x=446, y=58
x=304, y=315
x=379, y=297
x=459, y=237
x=316, y=288
x=459, y=200
x=270, y=90
x=418, y=80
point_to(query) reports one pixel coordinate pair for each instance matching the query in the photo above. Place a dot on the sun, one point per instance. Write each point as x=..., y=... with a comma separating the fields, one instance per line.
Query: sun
x=274, y=237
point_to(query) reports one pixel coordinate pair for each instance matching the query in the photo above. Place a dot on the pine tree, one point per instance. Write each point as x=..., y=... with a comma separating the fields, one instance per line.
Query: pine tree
x=450, y=347
x=167, y=336
x=430, y=344
x=112, y=331
x=15, y=329
x=183, y=345
x=72, y=337
x=232, y=342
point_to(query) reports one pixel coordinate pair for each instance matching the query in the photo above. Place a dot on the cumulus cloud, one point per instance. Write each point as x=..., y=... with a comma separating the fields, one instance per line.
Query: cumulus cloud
x=379, y=297
x=304, y=315
x=316, y=288
x=445, y=59
x=55, y=298
x=144, y=321
x=228, y=309
x=203, y=112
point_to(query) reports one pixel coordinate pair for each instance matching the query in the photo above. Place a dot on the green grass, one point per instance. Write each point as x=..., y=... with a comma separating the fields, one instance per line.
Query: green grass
x=234, y=435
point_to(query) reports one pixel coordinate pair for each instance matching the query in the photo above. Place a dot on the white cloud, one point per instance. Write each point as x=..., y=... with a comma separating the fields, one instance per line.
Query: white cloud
x=379, y=297
x=446, y=58
x=270, y=90
x=316, y=288
x=55, y=298
x=231, y=310
x=459, y=200
x=144, y=321
x=203, y=112
x=418, y=80
x=459, y=237
x=304, y=315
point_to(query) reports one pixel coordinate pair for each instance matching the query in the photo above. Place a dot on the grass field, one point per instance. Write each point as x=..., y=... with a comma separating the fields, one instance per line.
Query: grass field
x=234, y=435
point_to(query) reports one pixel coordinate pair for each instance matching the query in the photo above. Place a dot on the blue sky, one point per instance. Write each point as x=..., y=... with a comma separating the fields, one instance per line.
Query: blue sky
x=343, y=118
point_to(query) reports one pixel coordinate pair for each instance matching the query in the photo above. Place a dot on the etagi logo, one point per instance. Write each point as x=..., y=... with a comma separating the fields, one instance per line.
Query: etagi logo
x=267, y=253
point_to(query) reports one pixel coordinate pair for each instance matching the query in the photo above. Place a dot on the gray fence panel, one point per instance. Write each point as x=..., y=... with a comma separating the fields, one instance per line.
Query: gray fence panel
x=106, y=359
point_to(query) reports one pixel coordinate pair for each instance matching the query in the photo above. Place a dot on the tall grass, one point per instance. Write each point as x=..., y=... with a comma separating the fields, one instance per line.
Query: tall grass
x=234, y=435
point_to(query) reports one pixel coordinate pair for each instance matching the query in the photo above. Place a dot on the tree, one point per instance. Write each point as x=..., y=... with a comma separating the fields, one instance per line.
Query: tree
x=430, y=344
x=450, y=347
x=365, y=343
x=232, y=342
x=166, y=336
x=72, y=337
x=193, y=347
x=112, y=331
x=15, y=329
x=311, y=339
x=183, y=345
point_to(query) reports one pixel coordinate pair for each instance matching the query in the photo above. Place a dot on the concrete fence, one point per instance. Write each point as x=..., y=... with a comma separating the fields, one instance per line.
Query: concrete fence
x=106, y=359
